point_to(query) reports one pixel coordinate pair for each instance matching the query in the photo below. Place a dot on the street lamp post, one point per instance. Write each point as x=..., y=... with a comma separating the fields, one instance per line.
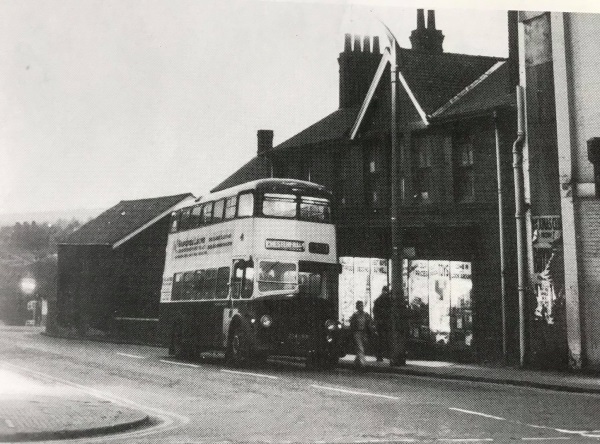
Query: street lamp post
x=398, y=306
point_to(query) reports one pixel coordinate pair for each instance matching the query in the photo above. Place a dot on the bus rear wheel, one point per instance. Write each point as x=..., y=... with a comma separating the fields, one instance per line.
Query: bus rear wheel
x=238, y=347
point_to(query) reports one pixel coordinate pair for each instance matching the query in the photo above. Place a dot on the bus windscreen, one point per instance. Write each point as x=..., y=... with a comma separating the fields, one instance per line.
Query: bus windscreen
x=277, y=276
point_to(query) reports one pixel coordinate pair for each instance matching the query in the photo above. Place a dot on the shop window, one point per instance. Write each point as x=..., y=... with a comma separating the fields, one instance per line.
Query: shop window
x=422, y=169
x=464, y=186
x=439, y=295
x=230, y=205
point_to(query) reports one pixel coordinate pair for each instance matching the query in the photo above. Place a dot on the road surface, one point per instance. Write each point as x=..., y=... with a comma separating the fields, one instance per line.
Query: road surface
x=206, y=402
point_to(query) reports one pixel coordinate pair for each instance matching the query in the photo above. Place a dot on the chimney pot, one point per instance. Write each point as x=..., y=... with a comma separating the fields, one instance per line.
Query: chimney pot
x=420, y=19
x=376, y=44
x=265, y=141
x=366, y=44
x=430, y=19
x=356, y=43
x=347, y=43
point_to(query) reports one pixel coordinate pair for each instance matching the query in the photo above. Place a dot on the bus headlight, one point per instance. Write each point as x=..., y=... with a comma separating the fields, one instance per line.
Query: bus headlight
x=330, y=325
x=266, y=321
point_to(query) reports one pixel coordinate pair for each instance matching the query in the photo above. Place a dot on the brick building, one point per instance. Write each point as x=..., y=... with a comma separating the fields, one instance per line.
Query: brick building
x=110, y=269
x=559, y=63
x=455, y=113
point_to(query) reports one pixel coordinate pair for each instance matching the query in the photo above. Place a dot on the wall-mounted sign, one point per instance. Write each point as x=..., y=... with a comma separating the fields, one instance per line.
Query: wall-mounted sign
x=546, y=230
x=284, y=244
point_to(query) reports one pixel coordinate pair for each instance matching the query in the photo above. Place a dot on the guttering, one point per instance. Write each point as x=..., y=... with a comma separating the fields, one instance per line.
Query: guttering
x=520, y=219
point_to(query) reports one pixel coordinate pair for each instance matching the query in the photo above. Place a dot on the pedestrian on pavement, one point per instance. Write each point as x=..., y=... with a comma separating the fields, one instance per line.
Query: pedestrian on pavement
x=361, y=328
x=382, y=309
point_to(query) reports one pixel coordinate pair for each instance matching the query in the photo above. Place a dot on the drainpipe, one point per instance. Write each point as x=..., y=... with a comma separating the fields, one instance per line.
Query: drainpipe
x=501, y=239
x=520, y=219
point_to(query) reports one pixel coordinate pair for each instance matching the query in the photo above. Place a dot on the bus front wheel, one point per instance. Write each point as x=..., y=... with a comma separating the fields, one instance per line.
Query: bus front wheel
x=238, y=347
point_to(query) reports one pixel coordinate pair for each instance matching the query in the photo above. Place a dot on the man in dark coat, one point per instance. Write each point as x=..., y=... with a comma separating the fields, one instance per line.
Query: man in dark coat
x=382, y=309
x=360, y=326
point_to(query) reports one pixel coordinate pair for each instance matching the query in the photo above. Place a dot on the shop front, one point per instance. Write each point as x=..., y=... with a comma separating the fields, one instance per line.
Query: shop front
x=439, y=296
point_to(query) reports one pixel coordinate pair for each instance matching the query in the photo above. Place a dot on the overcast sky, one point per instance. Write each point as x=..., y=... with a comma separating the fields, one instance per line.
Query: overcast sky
x=108, y=100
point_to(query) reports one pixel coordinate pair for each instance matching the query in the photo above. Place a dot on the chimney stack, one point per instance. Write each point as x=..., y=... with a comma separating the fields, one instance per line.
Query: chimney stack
x=513, y=50
x=265, y=141
x=426, y=39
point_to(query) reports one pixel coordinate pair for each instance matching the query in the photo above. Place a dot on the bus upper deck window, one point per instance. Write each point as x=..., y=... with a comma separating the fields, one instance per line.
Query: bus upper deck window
x=279, y=205
x=196, y=216
x=184, y=222
x=207, y=213
x=218, y=210
x=174, y=221
x=245, y=205
x=315, y=209
x=230, y=204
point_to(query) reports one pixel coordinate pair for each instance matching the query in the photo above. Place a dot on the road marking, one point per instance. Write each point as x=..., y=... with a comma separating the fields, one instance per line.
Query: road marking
x=547, y=438
x=379, y=440
x=464, y=439
x=131, y=356
x=185, y=364
x=477, y=413
x=352, y=392
x=9, y=423
x=259, y=375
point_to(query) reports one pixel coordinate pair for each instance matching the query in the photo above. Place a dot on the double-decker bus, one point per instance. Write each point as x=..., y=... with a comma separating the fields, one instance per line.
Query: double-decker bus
x=253, y=270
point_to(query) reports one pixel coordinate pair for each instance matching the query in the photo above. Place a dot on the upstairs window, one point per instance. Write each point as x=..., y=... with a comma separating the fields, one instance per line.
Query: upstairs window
x=422, y=169
x=464, y=184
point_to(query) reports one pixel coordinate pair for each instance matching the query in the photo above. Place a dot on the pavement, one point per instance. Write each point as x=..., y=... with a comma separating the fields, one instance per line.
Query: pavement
x=545, y=379
x=40, y=410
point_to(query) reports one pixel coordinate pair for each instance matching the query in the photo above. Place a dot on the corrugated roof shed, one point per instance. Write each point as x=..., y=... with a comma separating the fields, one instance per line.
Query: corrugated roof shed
x=123, y=219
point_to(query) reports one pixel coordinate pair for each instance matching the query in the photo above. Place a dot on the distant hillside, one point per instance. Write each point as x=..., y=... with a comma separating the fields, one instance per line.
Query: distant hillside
x=82, y=215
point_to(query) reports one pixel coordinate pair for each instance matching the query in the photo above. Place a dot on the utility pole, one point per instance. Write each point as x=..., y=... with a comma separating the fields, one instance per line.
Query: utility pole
x=398, y=306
